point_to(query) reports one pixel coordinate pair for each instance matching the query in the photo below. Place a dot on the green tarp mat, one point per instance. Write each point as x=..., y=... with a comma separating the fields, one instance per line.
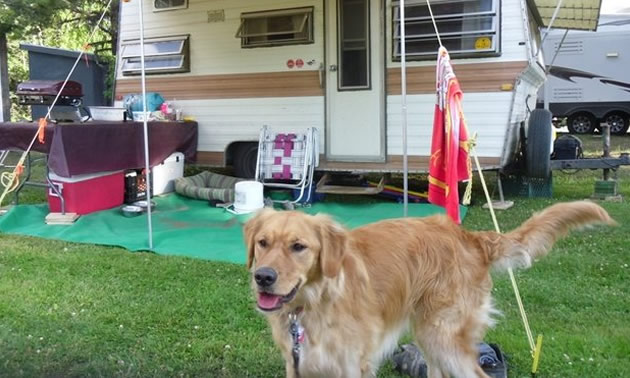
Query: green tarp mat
x=186, y=227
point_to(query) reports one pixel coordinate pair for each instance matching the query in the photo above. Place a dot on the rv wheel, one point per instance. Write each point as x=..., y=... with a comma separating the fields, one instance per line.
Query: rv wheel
x=581, y=123
x=618, y=123
x=538, y=149
x=245, y=159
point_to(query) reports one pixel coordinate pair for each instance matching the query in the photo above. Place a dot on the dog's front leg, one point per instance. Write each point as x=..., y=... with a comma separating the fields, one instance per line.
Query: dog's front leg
x=368, y=373
x=351, y=367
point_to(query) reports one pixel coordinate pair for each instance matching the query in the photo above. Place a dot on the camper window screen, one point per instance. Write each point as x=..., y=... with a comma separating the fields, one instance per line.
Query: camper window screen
x=467, y=28
x=276, y=28
x=162, y=55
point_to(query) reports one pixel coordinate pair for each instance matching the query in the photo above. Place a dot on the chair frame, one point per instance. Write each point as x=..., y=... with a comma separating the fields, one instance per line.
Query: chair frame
x=310, y=161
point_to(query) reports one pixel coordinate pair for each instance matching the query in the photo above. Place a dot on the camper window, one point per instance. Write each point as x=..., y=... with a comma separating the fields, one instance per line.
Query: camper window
x=276, y=28
x=162, y=55
x=467, y=28
x=161, y=5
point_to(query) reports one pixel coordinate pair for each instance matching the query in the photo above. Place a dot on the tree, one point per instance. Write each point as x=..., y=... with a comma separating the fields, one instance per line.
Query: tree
x=59, y=23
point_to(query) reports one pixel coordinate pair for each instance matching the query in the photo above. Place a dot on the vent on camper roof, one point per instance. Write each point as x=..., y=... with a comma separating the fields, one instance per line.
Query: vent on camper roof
x=569, y=48
x=563, y=94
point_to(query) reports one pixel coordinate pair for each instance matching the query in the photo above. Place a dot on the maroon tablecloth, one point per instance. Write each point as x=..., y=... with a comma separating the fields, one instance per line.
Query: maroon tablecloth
x=75, y=148
x=18, y=136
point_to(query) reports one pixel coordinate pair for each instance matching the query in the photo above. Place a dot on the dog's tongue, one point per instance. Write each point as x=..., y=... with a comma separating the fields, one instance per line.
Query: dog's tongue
x=268, y=301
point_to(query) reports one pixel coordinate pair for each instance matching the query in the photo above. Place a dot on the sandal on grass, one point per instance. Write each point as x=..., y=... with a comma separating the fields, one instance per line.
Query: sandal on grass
x=408, y=360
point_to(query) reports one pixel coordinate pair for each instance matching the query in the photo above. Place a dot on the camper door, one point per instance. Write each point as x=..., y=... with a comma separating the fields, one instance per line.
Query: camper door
x=355, y=93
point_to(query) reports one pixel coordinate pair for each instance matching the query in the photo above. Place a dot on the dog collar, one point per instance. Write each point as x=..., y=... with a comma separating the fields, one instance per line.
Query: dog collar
x=297, y=336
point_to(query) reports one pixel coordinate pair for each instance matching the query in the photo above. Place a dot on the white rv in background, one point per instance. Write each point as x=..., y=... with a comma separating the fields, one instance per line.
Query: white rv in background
x=236, y=65
x=589, y=81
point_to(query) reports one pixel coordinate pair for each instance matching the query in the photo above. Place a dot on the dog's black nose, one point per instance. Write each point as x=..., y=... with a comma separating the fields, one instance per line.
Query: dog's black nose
x=265, y=276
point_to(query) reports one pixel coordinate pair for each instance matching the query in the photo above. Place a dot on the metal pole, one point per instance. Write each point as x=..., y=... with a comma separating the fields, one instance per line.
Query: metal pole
x=606, y=132
x=546, y=95
x=555, y=54
x=145, y=125
x=500, y=185
x=403, y=84
x=546, y=85
x=553, y=18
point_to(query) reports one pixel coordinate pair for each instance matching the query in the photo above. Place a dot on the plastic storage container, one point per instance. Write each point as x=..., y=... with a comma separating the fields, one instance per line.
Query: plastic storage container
x=107, y=113
x=135, y=185
x=164, y=174
x=84, y=194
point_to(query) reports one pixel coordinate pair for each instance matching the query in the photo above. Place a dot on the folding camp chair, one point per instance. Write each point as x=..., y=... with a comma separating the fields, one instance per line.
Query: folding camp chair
x=288, y=161
x=8, y=166
x=3, y=157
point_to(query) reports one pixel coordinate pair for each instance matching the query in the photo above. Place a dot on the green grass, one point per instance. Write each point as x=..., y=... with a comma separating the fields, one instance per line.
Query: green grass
x=76, y=310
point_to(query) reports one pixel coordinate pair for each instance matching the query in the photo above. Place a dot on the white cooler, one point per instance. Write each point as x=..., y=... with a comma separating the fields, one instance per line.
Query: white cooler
x=164, y=174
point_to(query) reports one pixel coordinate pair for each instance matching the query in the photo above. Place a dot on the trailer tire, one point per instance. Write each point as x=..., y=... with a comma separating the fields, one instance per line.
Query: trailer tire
x=245, y=159
x=538, y=148
x=581, y=123
x=618, y=122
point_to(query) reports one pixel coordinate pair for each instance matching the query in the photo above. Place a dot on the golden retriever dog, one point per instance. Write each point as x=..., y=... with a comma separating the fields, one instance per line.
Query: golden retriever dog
x=338, y=300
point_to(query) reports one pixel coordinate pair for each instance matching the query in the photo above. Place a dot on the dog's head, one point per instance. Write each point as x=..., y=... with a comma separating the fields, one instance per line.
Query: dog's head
x=288, y=250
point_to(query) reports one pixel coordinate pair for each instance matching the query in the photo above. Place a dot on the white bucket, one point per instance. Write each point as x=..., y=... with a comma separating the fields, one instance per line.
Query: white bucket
x=248, y=197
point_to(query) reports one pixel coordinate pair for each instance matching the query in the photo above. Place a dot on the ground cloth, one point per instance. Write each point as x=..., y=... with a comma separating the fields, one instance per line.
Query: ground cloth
x=186, y=227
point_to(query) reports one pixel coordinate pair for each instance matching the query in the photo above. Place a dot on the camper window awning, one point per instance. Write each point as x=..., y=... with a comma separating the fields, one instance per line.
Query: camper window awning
x=573, y=14
x=286, y=28
x=276, y=27
x=162, y=55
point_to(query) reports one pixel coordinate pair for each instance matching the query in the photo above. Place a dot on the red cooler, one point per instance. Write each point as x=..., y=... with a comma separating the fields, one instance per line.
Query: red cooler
x=84, y=194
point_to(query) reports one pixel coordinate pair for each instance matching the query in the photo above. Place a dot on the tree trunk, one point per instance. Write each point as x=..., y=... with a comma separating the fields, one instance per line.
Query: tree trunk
x=115, y=19
x=5, y=103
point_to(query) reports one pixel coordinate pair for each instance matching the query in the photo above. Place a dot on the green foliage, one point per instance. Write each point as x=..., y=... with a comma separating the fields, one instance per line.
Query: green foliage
x=63, y=24
x=19, y=17
x=18, y=72
x=110, y=60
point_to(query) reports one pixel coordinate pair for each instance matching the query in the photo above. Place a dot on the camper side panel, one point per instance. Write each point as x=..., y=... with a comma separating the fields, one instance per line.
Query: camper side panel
x=232, y=91
x=590, y=67
x=487, y=83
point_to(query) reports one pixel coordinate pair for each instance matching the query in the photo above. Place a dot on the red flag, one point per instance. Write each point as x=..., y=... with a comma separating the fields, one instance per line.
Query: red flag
x=449, y=162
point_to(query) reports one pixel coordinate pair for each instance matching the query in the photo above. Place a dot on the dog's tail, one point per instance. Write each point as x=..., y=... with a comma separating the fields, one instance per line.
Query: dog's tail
x=536, y=236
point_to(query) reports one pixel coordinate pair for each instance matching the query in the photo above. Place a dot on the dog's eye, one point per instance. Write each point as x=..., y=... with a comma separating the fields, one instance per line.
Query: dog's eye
x=297, y=247
x=262, y=243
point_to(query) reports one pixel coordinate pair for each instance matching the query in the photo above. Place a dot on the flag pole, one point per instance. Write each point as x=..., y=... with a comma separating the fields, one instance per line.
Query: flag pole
x=403, y=84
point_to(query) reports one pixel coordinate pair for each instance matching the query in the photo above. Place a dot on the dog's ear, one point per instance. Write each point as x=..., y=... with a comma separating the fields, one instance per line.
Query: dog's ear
x=250, y=230
x=334, y=239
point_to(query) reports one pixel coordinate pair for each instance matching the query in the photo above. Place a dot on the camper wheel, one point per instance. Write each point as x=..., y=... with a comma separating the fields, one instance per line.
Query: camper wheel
x=581, y=123
x=245, y=159
x=538, y=149
x=618, y=122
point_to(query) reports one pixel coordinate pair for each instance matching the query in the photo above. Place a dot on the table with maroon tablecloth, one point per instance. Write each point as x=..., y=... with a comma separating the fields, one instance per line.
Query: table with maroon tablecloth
x=91, y=147
x=19, y=135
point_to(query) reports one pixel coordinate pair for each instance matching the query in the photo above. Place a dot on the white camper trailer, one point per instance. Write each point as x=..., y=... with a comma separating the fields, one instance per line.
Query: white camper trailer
x=589, y=80
x=236, y=65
